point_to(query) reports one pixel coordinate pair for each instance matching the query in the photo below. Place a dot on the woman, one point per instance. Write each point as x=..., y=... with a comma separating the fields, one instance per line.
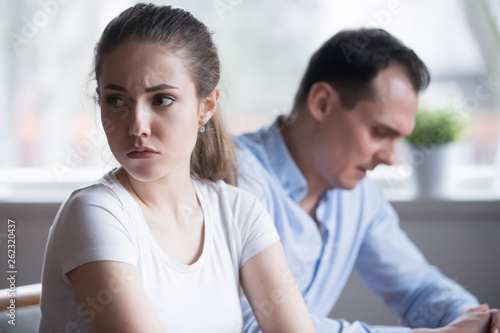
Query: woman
x=161, y=244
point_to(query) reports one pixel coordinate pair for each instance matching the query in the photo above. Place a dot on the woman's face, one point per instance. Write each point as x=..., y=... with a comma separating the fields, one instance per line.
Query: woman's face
x=149, y=109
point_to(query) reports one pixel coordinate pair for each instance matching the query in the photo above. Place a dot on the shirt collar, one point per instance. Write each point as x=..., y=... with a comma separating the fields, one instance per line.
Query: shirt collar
x=282, y=163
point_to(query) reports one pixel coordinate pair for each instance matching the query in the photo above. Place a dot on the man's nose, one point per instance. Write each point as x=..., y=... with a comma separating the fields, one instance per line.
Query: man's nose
x=387, y=154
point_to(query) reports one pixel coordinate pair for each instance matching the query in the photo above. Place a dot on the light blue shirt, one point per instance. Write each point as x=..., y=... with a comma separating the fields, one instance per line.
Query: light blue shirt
x=358, y=230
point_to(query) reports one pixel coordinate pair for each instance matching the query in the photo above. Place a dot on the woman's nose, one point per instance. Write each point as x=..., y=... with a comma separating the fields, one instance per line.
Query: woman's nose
x=140, y=122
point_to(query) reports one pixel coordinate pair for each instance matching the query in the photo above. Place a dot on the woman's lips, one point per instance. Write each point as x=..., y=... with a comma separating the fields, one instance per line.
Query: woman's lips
x=142, y=152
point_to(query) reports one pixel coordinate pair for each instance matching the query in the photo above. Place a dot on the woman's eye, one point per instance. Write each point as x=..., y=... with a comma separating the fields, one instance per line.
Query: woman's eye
x=115, y=102
x=163, y=101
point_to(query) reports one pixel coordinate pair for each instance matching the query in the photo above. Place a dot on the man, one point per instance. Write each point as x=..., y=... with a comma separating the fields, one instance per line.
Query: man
x=358, y=97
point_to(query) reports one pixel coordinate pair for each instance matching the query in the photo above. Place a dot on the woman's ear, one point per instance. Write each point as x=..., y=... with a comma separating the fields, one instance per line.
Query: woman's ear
x=97, y=97
x=322, y=99
x=209, y=105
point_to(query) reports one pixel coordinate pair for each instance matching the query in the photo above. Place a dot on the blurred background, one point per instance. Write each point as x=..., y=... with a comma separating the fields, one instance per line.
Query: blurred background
x=48, y=123
x=51, y=139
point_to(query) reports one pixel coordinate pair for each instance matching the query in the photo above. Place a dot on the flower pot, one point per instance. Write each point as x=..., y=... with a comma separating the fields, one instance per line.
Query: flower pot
x=432, y=167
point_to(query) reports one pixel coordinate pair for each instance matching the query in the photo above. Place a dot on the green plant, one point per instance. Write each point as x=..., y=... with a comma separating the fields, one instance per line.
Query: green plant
x=433, y=127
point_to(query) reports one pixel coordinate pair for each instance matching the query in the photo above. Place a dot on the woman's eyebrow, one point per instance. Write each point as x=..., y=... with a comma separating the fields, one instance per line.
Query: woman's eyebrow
x=160, y=87
x=115, y=87
x=149, y=89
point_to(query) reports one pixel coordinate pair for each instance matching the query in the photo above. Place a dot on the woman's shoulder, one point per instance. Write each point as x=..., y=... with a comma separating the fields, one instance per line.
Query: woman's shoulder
x=94, y=208
x=104, y=192
x=221, y=188
x=229, y=197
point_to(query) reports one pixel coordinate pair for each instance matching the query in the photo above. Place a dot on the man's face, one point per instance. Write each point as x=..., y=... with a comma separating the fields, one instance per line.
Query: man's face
x=350, y=141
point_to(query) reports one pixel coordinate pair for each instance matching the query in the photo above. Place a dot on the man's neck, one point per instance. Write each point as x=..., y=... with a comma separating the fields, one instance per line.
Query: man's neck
x=295, y=132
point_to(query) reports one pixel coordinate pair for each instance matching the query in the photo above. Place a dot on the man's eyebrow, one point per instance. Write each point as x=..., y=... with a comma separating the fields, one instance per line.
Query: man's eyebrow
x=393, y=131
x=150, y=89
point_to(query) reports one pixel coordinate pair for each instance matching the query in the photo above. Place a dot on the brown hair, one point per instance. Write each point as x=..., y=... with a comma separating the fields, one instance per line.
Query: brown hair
x=351, y=59
x=213, y=156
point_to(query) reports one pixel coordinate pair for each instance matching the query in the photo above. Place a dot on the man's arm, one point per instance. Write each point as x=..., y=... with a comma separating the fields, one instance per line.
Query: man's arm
x=324, y=325
x=391, y=265
x=480, y=319
x=476, y=320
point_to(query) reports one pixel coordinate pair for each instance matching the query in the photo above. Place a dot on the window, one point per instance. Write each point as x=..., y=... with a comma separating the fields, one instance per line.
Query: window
x=49, y=123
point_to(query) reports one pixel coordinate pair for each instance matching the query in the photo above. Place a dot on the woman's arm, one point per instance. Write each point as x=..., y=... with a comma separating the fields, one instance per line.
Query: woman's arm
x=271, y=290
x=113, y=298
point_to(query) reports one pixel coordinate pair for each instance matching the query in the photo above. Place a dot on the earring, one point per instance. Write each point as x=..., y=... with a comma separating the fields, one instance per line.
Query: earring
x=202, y=128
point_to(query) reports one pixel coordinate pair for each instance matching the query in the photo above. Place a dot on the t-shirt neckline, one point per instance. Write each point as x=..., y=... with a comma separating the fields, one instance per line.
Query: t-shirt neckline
x=183, y=268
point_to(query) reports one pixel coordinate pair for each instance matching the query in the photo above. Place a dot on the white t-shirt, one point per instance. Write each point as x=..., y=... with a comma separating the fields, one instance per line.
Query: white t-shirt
x=103, y=222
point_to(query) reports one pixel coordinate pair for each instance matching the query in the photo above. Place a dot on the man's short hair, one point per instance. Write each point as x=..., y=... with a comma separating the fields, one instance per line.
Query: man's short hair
x=351, y=59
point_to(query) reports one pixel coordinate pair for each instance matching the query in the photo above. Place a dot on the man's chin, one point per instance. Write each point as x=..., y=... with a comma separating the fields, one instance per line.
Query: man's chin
x=349, y=184
x=353, y=181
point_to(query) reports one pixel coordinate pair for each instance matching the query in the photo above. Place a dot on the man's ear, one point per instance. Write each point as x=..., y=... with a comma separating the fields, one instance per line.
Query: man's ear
x=209, y=105
x=322, y=99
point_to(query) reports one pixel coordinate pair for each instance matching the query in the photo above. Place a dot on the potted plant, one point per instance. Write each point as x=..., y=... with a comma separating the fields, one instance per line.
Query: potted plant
x=433, y=150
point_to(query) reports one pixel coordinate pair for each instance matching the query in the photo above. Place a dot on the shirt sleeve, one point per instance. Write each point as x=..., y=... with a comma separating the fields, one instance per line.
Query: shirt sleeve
x=391, y=265
x=323, y=324
x=91, y=227
x=257, y=230
x=252, y=178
